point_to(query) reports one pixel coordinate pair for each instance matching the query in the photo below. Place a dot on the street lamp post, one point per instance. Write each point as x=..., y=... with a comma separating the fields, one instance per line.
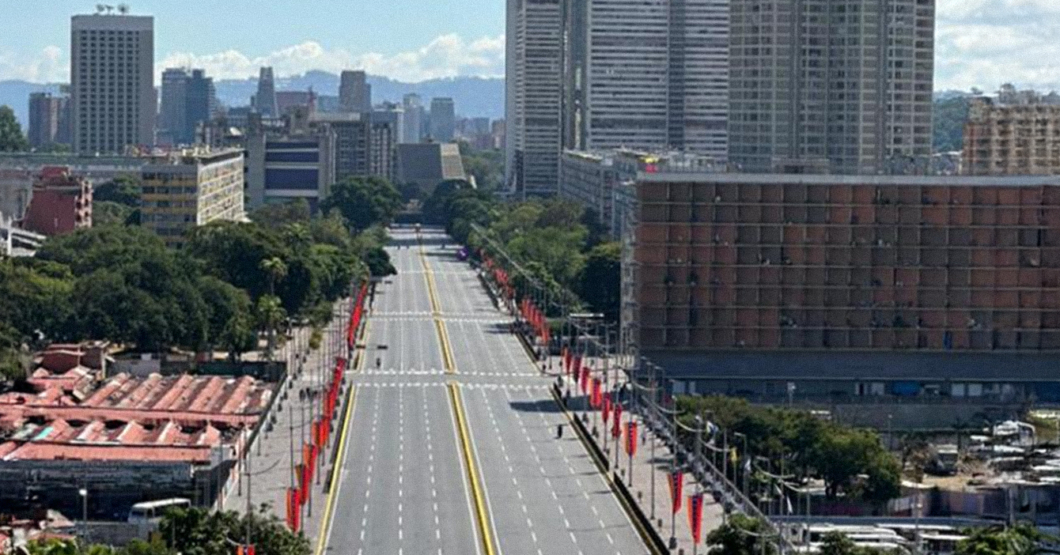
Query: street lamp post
x=83, y=492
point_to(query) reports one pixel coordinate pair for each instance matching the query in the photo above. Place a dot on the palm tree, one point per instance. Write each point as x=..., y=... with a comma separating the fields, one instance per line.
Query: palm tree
x=270, y=315
x=276, y=270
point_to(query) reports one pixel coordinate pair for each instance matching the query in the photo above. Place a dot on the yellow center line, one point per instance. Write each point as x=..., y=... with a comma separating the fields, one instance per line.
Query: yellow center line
x=436, y=313
x=485, y=527
x=325, y=523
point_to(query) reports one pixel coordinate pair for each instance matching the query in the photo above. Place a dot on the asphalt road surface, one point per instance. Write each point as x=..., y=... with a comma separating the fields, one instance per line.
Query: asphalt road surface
x=452, y=444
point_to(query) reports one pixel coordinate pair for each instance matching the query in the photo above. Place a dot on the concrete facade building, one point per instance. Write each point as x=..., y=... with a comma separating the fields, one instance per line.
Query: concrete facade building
x=364, y=146
x=112, y=82
x=443, y=119
x=393, y=115
x=265, y=99
x=191, y=188
x=49, y=120
x=426, y=165
x=414, y=118
x=283, y=165
x=61, y=203
x=647, y=76
x=1011, y=139
x=534, y=89
x=844, y=86
x=355, y=94
x=188, y=100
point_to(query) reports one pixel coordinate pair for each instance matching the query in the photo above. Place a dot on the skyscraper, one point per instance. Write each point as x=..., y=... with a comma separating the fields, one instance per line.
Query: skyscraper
x=355, y=94
x=841, y=84
x=265, y=99
x=187, y=100
x=443, y=119
x=111, y=75
x=173, y=111
x=534, y=84
x=49, y=119
x=413, y=105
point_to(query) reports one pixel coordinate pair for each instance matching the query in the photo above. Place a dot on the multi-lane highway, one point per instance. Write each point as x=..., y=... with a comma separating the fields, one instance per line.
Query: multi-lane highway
x=451, y=446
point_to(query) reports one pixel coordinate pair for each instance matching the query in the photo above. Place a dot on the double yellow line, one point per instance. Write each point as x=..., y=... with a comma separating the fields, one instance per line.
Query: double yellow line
x=436, y=313
x=485, y=528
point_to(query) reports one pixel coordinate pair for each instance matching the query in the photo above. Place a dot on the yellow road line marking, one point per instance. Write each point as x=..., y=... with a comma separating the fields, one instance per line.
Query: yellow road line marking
x=436, y=313
x=484, y=526
x=329, y=507
x=325, y=523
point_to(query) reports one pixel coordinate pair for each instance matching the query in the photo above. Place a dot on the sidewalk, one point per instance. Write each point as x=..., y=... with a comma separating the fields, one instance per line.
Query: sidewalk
x=269, y=460
x=651, y=467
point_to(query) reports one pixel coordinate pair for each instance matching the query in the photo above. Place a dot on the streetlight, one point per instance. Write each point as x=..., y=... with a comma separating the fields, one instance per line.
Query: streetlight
x=83, y=492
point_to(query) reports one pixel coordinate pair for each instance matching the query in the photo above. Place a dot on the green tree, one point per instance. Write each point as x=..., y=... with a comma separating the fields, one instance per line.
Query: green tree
x=276, y=216
x=270, y=315
x=950, y=116
x=106, y=213
x=837, y=543
x=1022, y=539
x=197, y=531
x=123, y=189
x=364, y=201
x=11, y=137
x=741, y=535
x=600, y=281
x=231, y=318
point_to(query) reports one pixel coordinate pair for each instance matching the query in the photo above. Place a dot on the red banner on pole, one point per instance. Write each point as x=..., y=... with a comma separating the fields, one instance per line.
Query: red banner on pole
x=584, y=379
x=607, y=407
x=695, y=516
x=616, y=430
x=676, y=481
x=595, y=399
x=631, y=438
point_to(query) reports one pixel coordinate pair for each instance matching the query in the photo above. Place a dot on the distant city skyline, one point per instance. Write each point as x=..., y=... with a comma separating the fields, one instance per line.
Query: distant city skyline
x=980, y=43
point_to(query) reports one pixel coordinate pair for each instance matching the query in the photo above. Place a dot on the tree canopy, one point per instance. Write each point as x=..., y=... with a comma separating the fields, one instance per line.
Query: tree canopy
x=123, y=189
x=364, y=202
x=11, y=137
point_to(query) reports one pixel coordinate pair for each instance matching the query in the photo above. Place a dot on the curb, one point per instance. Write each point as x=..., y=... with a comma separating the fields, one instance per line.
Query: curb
x=654, y=542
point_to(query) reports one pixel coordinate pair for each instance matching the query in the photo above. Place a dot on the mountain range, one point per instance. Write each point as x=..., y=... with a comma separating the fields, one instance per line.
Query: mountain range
x=474, y=96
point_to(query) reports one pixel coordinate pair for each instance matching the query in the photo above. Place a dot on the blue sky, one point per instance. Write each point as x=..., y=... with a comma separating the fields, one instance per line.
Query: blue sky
x=981, y=43
x=410, y=39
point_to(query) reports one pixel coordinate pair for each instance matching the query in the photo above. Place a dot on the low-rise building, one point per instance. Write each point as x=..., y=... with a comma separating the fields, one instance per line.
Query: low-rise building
x=191, y=188
x=61, y=203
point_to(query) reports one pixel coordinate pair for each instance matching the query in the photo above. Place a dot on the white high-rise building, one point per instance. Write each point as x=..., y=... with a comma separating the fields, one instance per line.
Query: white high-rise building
x=534, y=91
x=112, y=82
x=413, y=123
x=835, y=85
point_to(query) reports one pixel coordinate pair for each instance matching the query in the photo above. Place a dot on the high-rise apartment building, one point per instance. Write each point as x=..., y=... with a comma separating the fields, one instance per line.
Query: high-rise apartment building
x=355, y=94
x=535, y=86
x=413, y=124
x=364, y=146
x=1012, y=139
x=188, y=99
x=647, y=75
x=393, y=115
x=49, y=119
x=265, y=99
x=191, y=188
x=842, y=85
x=443, y=119
x=112, y=82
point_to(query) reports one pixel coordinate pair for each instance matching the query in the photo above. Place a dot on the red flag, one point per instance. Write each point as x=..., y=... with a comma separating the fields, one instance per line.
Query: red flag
x=676, y=481
x=631, y=438
x=250, y=549
x=595, y=399
x=607, y=407
x=695, y=516
x=616, y=431
x=584, y=380
x=292, y=509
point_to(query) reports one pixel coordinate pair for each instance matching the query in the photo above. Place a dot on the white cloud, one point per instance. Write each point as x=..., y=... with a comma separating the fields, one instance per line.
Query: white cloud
x=48, y=66
x=985, y=43
x=445, y=56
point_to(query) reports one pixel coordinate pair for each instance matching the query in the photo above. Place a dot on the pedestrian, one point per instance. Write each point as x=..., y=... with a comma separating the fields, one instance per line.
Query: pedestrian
x=559, y=431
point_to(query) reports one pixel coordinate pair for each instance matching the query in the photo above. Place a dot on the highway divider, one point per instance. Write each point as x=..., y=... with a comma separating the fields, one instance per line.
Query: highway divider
x=485, y=527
